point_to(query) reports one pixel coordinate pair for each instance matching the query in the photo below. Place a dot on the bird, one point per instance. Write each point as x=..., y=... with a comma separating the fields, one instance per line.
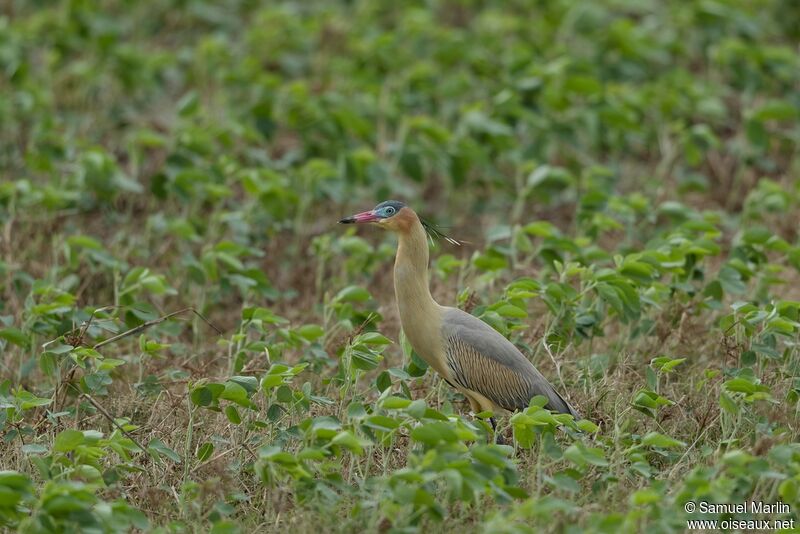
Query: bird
x=470, y=355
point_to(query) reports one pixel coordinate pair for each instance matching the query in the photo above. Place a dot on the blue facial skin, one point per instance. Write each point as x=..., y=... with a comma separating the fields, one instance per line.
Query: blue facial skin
x=388, y=208
x=384, y=210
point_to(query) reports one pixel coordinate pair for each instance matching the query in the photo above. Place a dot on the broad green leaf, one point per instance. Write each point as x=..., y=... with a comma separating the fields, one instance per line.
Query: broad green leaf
x=68, y=440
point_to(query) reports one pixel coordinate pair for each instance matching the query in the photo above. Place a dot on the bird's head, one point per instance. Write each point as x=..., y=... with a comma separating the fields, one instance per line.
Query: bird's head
x=390, y=214
x=396, y=216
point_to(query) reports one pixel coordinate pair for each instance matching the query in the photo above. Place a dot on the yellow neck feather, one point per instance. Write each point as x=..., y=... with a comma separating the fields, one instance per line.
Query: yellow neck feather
x=420, y=315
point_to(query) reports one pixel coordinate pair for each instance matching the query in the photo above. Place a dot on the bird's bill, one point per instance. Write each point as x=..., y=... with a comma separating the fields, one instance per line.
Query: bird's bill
x=363, y=217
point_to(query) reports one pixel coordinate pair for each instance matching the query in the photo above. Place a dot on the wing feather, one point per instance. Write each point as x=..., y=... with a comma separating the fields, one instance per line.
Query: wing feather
x=482, y=360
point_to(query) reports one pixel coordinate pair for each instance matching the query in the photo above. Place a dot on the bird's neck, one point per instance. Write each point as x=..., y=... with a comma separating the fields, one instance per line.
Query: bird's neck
x=418, y=310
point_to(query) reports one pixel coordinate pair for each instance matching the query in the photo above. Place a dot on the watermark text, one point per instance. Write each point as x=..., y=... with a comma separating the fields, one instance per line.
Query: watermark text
x=757, y=508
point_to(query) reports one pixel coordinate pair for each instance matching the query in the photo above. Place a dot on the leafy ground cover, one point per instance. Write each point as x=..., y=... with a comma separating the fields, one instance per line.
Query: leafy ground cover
x=625, y=174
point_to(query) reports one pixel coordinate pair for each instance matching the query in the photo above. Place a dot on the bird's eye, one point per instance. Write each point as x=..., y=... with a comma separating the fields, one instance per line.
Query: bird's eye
x=389, y=211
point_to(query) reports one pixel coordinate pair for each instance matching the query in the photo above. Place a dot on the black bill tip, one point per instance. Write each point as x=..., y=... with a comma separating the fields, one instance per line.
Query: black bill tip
x=347, y=220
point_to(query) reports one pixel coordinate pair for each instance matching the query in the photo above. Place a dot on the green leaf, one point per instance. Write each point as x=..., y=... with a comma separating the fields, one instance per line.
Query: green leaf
x=383, y=381
x=14, y=487
x=665, y=364
x=350, y=442
x=34, y=448
x=365, y=360
x=731, y=280
x=310, y=332
x=68, y=440
x=201, y=396
x=654, y=439
x=382, y=422
x=541, y=229
x=509, y=310
x=233, y=415
x=587, y=426
x=158, y=449
x=284, y=394
x=416, y=367
x=777, y=110
x=740, y=385
x=237, y=394
x=433, y=433
x=15, y=336
x=649, y=402
x=356, y=410
x=582, y=455
x=205, y=451
x=395, y=403
x=249, y=383
x=728, y=404
x=352, y=294
x=372, y=338
x=28, y=400
x=270, y=381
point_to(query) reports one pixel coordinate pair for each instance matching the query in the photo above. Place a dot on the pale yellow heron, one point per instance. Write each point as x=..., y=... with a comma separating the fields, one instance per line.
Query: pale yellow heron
x=468, y=353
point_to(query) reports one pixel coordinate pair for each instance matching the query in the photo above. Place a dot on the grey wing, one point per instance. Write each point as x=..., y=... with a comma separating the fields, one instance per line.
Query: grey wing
x=482, y=360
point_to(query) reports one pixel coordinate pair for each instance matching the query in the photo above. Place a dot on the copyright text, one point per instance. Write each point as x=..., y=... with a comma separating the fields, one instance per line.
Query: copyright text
x=744, y=508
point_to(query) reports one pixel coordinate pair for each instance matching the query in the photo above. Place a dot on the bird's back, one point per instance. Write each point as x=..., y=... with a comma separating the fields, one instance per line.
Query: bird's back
x=484, y=361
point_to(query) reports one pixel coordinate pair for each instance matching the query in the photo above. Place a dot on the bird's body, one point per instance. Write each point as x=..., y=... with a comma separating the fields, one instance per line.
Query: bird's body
x=468, y=353
x=490, y=370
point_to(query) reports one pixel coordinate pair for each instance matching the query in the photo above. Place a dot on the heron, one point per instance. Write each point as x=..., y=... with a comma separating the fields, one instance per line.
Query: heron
x=470, y=355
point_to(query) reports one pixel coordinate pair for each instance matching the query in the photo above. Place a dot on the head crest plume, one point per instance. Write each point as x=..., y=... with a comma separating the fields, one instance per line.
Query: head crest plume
x=435, y=233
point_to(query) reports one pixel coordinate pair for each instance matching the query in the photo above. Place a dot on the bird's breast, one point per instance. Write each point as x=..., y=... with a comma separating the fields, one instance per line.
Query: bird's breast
x=424, y=333
x=423, y=330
